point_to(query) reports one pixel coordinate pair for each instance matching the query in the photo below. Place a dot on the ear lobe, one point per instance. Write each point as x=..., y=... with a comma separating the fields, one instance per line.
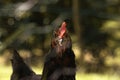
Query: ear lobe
x=62, y=30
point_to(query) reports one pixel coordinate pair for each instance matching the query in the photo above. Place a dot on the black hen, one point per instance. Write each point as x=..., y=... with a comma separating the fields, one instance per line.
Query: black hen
x=21, y=71
x=60, y=61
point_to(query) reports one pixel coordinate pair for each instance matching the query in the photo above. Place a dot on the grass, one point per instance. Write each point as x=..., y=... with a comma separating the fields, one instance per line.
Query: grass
x=93, y=76
x=5, y=72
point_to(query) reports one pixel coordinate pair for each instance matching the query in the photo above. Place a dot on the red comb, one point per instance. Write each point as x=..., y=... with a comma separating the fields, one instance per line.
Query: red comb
x=62, y=29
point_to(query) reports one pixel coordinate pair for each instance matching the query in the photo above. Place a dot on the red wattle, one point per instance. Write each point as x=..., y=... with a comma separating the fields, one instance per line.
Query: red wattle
x=62, y=29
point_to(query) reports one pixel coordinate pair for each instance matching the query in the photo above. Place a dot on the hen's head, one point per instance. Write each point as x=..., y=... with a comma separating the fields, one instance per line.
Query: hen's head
x=61, y=41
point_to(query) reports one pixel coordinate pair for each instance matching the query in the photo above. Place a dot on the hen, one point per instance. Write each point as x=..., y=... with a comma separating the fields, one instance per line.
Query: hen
x=21, y=71
x=60, y=61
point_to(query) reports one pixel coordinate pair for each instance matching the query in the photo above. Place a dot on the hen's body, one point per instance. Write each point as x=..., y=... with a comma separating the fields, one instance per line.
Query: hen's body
x=60, y=68
x=21, y=71
x=60, y=61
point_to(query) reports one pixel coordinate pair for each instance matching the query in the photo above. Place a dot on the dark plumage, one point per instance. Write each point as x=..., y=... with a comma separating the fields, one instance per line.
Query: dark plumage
x=21, y=71
x=60, y=61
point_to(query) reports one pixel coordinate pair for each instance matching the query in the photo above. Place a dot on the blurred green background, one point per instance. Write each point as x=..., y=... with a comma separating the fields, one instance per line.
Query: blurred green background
x=94, y=26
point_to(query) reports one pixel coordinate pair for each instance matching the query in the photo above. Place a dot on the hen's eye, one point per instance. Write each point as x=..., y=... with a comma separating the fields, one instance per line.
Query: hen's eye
x=55, y=34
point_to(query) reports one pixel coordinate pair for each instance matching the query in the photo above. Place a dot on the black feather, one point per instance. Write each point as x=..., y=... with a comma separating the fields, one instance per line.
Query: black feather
x=21, y=71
